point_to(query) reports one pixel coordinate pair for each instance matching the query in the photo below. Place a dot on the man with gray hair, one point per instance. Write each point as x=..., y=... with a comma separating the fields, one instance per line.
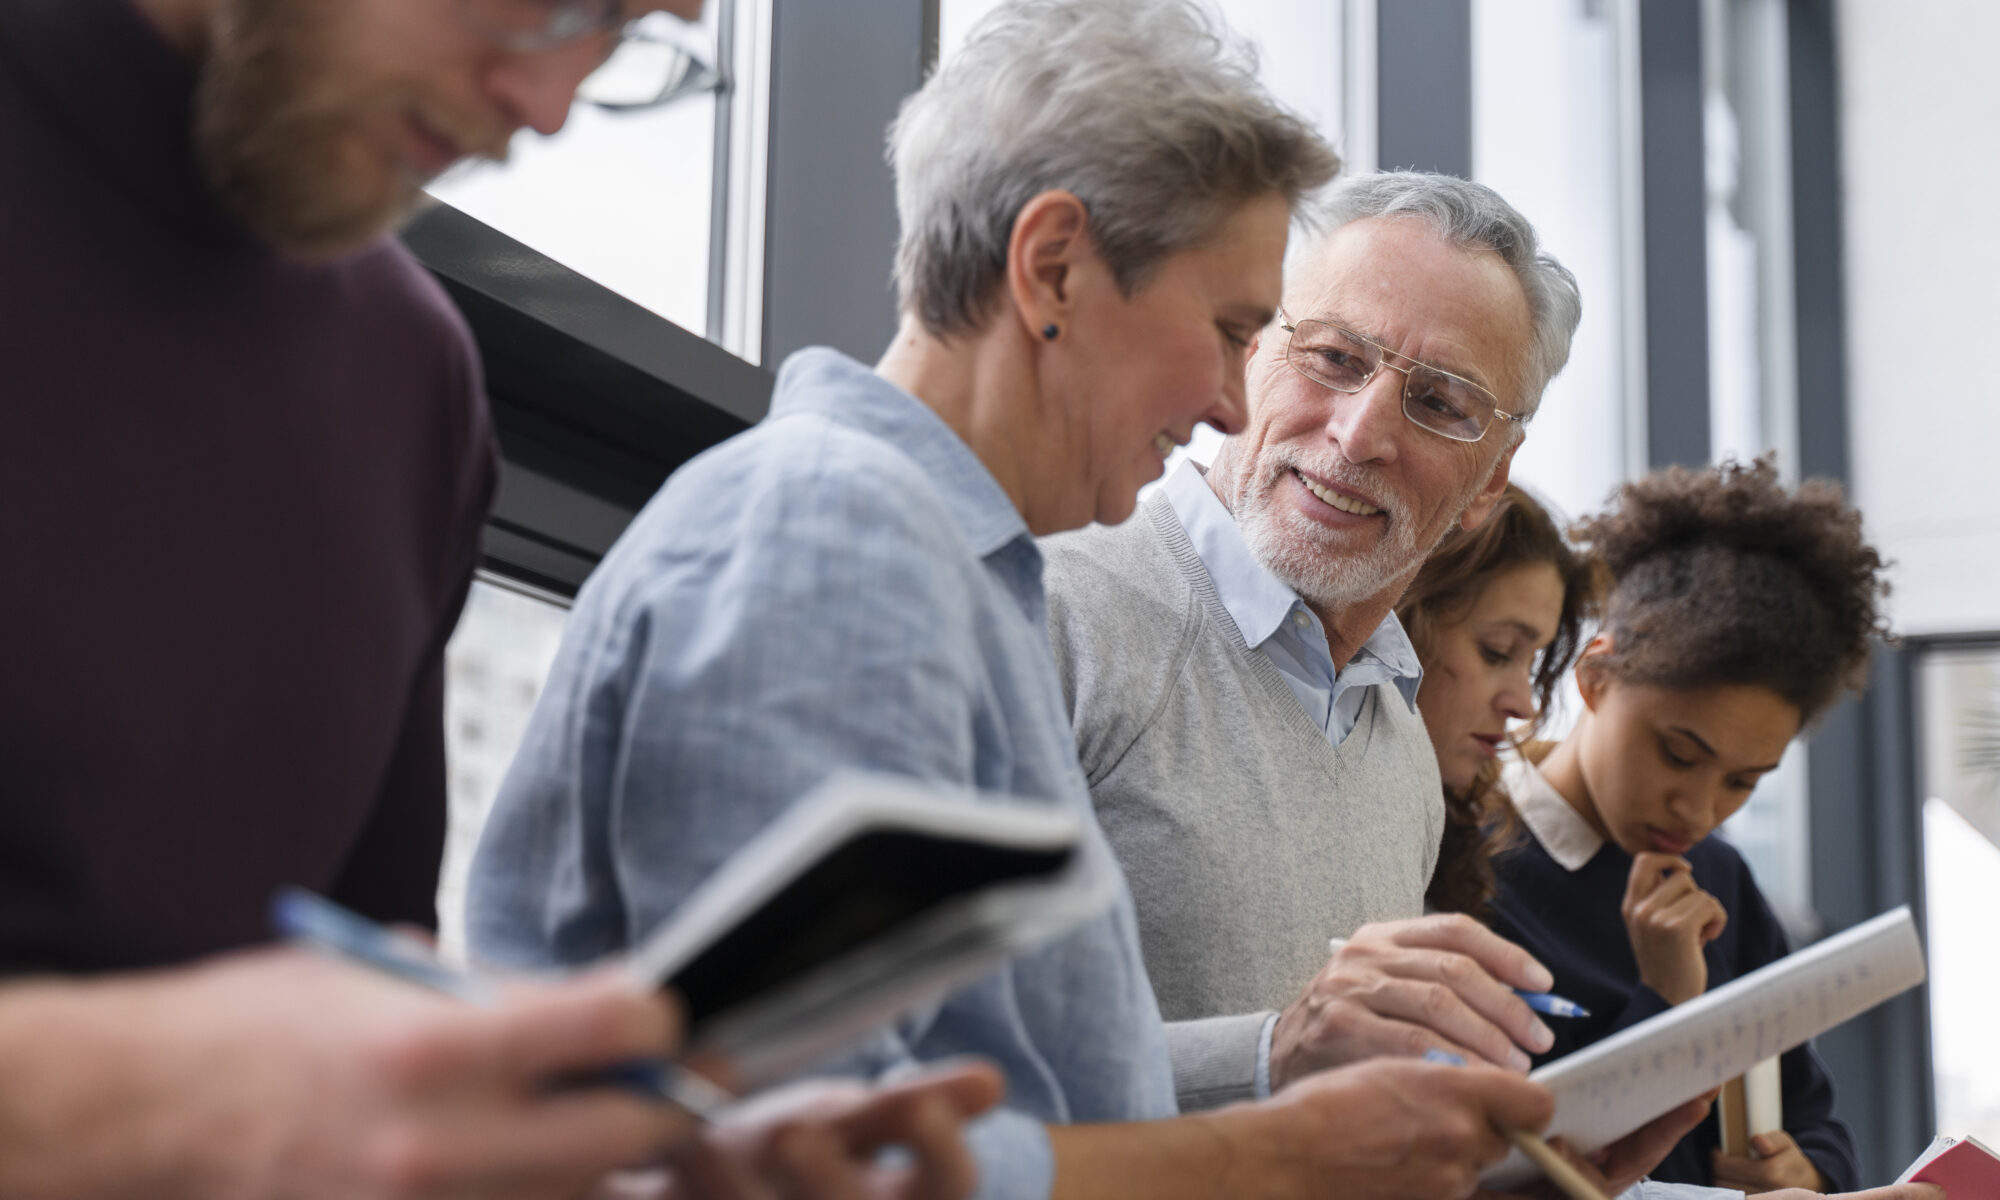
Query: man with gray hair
x=1243, y=697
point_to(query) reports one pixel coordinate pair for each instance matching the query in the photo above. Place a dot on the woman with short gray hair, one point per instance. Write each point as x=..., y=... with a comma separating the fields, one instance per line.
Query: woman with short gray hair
x=1096, y=196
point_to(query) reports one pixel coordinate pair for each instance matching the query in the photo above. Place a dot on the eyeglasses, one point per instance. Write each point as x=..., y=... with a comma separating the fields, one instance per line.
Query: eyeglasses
x=658, y=58
x=1335, y=356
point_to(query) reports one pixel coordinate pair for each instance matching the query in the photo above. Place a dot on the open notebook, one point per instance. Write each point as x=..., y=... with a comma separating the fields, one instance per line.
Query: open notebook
x=870, y=897
x=1610, y=1088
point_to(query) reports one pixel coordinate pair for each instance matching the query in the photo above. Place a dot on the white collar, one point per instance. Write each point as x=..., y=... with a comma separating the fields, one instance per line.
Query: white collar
x=1560, y=829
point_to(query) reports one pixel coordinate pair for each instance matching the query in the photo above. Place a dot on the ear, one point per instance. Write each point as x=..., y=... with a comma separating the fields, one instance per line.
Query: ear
x=1590, y=676
x=1043, y=253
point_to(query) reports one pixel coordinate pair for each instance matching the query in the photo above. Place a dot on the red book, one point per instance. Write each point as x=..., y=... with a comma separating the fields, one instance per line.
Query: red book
x=1963, y=1167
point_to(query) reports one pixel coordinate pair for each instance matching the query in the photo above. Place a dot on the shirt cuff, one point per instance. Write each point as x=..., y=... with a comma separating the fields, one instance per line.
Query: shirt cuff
x=1217, y=1059
x=1263, y=1087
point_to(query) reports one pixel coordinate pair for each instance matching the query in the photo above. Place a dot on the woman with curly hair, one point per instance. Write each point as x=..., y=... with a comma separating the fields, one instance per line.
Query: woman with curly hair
x=1736, y=612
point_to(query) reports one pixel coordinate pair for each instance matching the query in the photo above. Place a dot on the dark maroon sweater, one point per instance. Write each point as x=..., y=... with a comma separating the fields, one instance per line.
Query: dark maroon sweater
x=240, y=502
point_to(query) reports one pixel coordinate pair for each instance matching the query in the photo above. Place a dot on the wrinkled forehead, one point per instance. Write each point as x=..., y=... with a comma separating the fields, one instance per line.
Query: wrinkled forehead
x=1395, y=279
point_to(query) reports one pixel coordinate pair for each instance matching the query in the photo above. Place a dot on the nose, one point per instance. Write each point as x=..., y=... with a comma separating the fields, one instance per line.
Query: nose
x=535, y=88
x=1366, y=423
x=1697, y=806
x=1231, y=410
x=1516, y=698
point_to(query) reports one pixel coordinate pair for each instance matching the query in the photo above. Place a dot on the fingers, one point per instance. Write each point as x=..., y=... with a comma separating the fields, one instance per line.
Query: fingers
x=1457, y=934
x=1772, y=1144
x=811, y=1162
x=1465, y=1011
x=1509, y=1101
x=956, y=1093
x=1633, y=1156
x=567, y=1139
x=1652, y=871
x=588, y=1024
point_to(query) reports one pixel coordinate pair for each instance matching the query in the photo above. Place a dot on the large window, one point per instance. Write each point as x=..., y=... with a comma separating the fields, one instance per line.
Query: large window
x=623, y=198
x=1959, y=704
x=494, y=669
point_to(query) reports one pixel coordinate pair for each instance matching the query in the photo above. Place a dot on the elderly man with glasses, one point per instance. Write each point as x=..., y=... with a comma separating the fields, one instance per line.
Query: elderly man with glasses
x=245, y=467
x=1243, y=697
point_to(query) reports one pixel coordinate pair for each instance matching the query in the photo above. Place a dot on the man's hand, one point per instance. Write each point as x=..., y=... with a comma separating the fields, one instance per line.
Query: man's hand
x=1778, y=1163
x=819, y=1140
x=1669, y=919
x=281, y=1075
x=1390, y=1127
x=1441, y=982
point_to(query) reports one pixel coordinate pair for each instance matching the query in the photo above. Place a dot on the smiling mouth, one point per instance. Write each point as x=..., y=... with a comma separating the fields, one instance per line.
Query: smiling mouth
x=1346, y=504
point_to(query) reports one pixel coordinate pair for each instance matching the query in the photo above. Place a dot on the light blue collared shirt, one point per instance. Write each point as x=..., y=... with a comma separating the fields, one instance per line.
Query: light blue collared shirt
x=1275, y=622
x=845, y=585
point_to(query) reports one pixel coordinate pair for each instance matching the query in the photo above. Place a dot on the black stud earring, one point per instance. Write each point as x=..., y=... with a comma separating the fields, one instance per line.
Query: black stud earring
x=1050, y=332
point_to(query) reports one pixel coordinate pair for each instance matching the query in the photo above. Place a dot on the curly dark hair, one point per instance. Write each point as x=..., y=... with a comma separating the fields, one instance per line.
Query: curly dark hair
x=1519, y=532
x=1724, y=576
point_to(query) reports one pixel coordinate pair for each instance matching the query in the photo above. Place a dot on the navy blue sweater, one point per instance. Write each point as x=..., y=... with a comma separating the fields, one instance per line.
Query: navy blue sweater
x=1571, y=922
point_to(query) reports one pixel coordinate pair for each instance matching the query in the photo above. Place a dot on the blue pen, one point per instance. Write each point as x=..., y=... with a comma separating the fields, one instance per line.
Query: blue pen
x=1552, y=1004
x=326, y=926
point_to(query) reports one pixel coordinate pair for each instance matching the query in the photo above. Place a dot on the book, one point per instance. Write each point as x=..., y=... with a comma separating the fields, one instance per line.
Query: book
x=868, y=898
x=1610, y=1088
x=1962, y=1166
x=1750, y=1104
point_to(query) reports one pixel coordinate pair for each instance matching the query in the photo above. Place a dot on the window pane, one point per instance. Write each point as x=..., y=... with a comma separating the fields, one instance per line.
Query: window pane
x=620, y=197
x=494, y=668
x=1960, y=707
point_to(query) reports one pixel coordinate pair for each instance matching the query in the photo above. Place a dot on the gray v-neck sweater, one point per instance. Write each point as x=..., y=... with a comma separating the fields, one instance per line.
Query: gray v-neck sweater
x=1249, y=838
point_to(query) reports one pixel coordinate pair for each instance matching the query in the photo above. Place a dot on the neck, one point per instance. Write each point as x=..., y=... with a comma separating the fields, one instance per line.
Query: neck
x=184, y=24
x=974, y=383
x=1563, y=768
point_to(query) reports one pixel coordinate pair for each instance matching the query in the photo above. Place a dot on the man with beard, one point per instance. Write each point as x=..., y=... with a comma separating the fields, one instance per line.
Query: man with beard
x=1243, y=697
x=244, y=470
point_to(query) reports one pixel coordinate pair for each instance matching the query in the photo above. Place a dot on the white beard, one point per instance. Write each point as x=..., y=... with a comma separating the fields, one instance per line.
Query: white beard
x=1305, y=555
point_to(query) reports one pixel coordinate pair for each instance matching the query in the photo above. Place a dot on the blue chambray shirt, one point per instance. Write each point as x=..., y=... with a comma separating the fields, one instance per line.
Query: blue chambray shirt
x=843, y=586
x=1275, y=622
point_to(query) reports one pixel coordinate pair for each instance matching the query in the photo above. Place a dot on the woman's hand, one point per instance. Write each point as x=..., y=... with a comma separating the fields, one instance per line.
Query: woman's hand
x=1778, y=1163
x=1669, y=920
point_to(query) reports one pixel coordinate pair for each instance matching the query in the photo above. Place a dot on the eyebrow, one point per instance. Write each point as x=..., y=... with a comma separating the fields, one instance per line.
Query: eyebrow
x=1526, y=630
x=1467, y=373
x=1254, y=315
x=1694, y=737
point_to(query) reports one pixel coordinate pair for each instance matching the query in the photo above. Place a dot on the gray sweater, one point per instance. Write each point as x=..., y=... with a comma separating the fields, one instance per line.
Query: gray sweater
x=1249, y=839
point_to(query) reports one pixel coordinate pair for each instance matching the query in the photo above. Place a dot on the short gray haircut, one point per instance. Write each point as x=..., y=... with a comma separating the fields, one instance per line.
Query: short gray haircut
x=1474, y=215
x=1148, y=111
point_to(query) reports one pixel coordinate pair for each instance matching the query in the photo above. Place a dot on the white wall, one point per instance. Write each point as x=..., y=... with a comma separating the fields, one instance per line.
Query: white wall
x=1920, y=100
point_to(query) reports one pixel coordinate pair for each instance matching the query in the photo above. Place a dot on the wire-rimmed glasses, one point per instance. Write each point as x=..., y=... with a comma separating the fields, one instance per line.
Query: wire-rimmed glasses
x=1334, y=356
x=658, y=59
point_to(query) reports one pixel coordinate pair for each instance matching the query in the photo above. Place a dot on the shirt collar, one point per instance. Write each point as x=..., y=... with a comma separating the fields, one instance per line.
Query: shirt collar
x=827, y=382
x=1259, y=601
x=1255, y=599
x=1560, y=829
x=126, y=96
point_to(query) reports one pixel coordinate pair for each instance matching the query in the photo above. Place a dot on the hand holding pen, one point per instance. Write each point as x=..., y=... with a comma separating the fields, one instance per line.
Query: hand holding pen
x=322, y=925
x=1441, y=982
x=578, y=1068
